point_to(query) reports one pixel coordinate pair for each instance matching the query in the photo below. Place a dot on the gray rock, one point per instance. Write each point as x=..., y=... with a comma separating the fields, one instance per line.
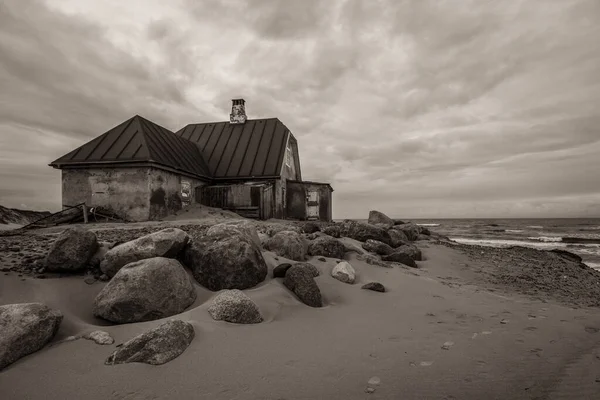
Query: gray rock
x=374, y=286
x=423, y=237
x=226, y=262
x=24, y=329
x=310, y=227
x=373, y=260
x=402, y=257
x=344, y=272
x=301, y=282
x=280, y=270
x=314, y=271
x=398, y=238
x=156, y=346
x=100, y=337
x=326, y=246
x=411, y=250
x=332, y=230
x=380, y=219
x=411, y=230
x=363, y=232
x=398, y=221
x=236, y=307
x=165, y=243
x=377, y=247
x=99, y=254
x=71, y=251
x=228, y=228
x=288, y=244
x=145, y=290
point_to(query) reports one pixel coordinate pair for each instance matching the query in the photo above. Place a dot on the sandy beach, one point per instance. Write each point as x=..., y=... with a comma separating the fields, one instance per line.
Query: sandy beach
x=437, y=333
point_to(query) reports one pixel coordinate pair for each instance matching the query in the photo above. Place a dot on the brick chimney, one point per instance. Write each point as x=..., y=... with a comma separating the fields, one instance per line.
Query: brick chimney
x=238, y=112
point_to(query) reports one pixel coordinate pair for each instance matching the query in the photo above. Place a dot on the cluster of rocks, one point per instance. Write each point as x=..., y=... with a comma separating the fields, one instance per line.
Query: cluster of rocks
x=147, y=277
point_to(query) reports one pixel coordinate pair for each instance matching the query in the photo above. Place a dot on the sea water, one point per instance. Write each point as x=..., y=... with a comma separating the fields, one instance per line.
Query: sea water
x=577, y=235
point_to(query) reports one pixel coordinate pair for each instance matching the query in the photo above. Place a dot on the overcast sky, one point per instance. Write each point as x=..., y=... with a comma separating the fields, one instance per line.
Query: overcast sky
x=463, y=108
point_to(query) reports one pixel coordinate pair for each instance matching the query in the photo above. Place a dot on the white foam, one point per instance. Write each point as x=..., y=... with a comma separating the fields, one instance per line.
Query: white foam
x=535, y=227
x=428, y=224
x=592, y=265
x=513, y=230
x=508, y=243
x=546, y=238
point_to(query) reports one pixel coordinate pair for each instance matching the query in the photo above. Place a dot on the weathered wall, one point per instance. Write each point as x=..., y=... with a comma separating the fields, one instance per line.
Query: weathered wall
x=296, y=200
x=123, y=191
x=295, y=205
x=165, y=192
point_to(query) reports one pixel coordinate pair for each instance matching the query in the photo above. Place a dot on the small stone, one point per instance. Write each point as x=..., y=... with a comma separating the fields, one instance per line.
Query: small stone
x=374, y=286
x=504, y=321
x=370, y=390
x=280, y=270
x=104, y=278
x=426, y=363
x=374, y=381
x=89, y=280
x=447, y=345
x=100, y=337
x=323, y=259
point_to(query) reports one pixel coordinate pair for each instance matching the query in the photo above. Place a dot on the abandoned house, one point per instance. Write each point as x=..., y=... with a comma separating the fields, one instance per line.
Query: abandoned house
x=141, y=171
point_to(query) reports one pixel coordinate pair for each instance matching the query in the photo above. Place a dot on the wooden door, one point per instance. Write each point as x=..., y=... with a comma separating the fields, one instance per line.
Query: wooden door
x=312, y=204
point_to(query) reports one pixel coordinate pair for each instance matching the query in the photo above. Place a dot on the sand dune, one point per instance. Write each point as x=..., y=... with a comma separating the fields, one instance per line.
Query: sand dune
x=498, y=346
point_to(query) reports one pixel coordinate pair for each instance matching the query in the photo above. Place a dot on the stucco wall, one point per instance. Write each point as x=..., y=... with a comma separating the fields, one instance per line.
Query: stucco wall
x=165, y=196
x=123, y=191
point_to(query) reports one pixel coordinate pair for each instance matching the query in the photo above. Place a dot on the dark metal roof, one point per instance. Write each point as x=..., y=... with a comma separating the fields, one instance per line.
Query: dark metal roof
x=253, y=149
x=135, y=140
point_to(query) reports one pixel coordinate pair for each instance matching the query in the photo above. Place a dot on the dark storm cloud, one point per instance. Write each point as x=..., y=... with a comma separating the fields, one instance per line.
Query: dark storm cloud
x=419, y=108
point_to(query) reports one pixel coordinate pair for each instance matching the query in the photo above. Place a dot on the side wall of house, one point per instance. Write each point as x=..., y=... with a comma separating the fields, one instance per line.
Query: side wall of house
x=123, y=191
x=296, y=200
x=170, y=192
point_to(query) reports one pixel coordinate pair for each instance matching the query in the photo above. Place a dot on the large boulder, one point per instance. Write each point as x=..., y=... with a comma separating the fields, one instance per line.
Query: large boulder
x=332, y=230
x=410, y=250
x=236, y=307
x=398, y=238
x=309, y=267
x=326, y=246
x=146, y=290
x=156, y=346
x=310, y=227
x=301, y=282
x=72, y=250
x=229, y=228
x=288, y=244
x=380, y=219
x=410, y=230
x=344, y=272
x=226, y=262
x=377, y=247
x=402, y=257
x=24, y=329
x=275, y=228
x=165, y=243
x=363, y=232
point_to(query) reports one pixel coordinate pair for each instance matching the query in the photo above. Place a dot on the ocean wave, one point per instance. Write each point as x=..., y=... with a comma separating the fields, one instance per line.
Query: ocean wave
x=546, y=238
x=513, y=230
x=428, y=224
x=535, y=227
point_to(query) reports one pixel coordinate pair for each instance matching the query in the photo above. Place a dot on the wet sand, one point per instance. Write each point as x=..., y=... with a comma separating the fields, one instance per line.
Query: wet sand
x=436, y=334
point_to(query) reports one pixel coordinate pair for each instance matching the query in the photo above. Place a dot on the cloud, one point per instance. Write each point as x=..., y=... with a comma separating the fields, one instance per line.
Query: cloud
x=419, y=109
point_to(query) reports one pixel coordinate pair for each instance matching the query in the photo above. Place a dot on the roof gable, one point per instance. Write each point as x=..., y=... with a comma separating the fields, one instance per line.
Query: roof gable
x=138, y=140
x=253, y=149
